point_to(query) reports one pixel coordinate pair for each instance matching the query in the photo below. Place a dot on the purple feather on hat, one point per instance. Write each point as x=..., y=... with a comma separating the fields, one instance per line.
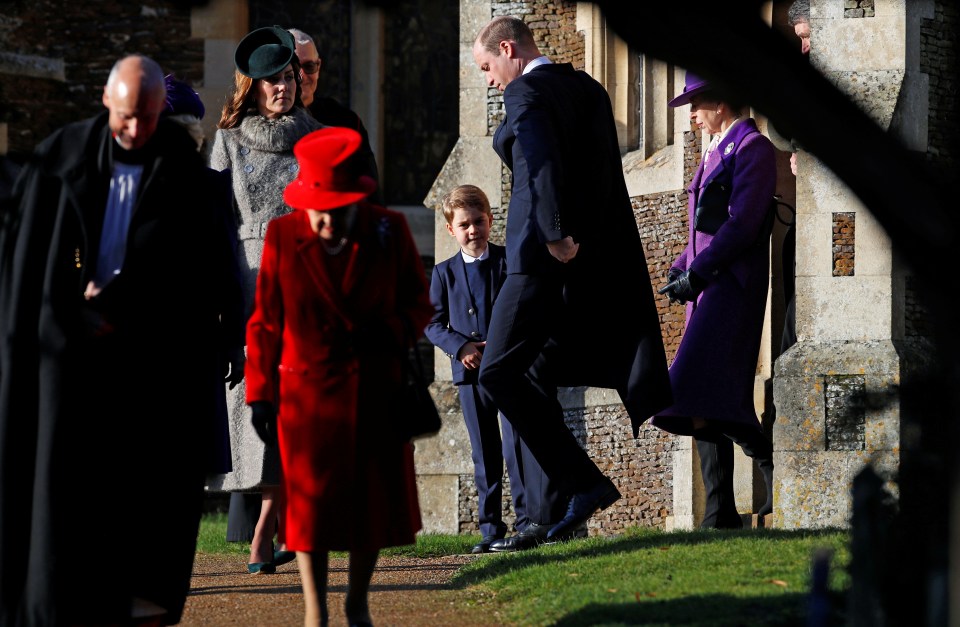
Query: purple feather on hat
x=181, y=98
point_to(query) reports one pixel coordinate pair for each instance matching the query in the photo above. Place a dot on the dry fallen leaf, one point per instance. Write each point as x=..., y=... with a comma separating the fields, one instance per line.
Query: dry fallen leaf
x=778, y=582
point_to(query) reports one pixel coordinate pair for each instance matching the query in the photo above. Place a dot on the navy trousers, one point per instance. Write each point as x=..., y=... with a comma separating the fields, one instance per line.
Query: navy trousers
x=519, y=370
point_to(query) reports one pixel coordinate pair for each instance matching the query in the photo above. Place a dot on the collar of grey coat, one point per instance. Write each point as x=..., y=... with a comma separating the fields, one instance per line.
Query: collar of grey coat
x=278, y=134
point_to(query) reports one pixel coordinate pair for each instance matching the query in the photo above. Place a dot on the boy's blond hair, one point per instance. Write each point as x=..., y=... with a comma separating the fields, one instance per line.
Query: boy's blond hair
x=465, y=197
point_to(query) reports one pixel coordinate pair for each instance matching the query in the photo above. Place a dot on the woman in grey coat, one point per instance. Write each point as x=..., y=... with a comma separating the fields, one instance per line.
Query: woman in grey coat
x=255, y=137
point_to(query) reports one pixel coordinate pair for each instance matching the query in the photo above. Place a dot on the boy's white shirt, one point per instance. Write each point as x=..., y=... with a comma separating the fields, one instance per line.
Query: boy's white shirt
x=467, y=258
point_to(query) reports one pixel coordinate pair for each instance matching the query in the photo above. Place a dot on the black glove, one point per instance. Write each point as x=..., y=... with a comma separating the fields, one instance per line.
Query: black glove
x=685, y=287
x=672, y=275
x=264, y=421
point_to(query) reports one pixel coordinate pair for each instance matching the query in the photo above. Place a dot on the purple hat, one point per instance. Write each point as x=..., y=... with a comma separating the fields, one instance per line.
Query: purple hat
x=181, y=98
x=695, y=85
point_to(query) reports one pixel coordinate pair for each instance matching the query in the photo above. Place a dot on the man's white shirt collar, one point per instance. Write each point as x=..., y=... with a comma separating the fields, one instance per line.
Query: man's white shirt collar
x=542, y=60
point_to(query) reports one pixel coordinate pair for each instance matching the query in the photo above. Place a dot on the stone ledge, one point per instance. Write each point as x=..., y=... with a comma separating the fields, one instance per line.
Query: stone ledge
x=34, y=66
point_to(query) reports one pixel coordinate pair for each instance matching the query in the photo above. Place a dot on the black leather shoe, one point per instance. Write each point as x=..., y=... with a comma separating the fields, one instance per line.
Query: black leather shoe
x=484, y=545
x=534, y=535
x=582, y=506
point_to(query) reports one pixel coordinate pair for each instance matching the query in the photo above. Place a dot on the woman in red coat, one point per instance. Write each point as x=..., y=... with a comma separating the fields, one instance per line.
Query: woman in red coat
x=339, y=282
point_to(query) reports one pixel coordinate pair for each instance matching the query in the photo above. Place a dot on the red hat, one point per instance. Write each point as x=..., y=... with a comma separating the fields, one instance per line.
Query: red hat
x=324, y=181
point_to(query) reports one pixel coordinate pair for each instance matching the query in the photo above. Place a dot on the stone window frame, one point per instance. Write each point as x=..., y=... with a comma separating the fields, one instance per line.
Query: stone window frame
x=649, y=132
x=639, y=85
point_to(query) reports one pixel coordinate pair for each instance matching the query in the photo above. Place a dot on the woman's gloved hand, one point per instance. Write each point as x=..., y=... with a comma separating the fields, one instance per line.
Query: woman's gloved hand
x=684, y=286
x=264, y=421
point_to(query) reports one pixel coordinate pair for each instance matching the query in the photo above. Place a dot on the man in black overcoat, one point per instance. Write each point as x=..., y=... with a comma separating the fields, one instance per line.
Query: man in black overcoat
x=577, y=306
x=111, y=255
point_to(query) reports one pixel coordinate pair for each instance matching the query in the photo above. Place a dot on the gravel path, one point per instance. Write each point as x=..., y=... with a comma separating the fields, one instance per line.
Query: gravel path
x=405, y=591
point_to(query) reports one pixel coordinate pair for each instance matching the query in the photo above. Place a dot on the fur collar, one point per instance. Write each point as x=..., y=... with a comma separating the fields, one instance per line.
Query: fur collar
x=280, y=134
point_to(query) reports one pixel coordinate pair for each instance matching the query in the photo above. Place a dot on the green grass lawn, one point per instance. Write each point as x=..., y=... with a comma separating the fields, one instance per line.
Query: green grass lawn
x=643, y=577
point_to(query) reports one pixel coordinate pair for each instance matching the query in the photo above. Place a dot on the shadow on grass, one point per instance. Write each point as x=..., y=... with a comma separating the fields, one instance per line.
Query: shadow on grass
x=487, y=568
x=786, y=610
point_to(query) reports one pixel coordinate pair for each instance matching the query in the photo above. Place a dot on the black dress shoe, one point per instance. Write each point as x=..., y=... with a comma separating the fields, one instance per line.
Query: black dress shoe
x=484, y=545
x=582, y=506
x=534, y=535
x=723, y=521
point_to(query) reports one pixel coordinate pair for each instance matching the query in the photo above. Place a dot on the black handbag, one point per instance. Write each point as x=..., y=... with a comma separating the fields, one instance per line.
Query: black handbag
x=713, y=204
x=712, y=212
x=712, y=207
x=417, y=415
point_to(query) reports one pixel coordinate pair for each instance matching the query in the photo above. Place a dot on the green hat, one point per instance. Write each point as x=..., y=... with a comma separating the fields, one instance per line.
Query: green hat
x=265, y=52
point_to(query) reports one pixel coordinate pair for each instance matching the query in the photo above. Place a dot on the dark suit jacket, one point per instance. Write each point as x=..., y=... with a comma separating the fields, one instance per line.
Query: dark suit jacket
x=560, y=141
x=329, y=112
x=455, y=321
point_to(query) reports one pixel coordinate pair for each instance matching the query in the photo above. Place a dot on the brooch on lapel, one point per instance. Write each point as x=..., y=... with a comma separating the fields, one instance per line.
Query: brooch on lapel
x=728, y=149
x=383, y=231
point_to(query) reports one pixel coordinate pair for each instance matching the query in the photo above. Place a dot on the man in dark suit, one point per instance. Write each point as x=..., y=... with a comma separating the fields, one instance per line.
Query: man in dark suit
x=572, y=245
x=112, y=258
x=330, y=112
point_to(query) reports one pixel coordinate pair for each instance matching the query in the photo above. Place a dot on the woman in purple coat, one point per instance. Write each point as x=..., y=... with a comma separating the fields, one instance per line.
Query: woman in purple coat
x=722, y=275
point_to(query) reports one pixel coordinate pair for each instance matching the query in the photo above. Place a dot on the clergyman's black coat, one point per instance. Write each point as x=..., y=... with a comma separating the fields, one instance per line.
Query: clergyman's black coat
x=105, y=405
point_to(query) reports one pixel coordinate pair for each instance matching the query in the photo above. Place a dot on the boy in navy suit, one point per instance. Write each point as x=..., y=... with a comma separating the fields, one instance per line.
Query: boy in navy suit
x=462, y=291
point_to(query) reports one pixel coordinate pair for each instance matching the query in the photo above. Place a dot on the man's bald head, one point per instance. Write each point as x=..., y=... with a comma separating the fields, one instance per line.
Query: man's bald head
x=135, y=95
